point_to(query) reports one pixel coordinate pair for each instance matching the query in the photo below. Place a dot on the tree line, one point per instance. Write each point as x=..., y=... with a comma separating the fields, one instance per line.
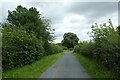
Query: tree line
x=26, y=37
x=104, y=47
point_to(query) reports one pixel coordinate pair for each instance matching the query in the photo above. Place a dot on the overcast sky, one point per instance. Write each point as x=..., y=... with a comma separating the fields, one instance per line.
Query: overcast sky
x=69, y=15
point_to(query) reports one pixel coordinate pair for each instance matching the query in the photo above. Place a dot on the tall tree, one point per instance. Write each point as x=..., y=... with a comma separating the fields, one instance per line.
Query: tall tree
x=29, y=34
x=70, y=40
x=31, y=21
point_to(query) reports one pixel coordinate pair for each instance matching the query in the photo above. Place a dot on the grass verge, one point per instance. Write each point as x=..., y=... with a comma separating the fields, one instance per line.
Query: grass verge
x=35, y=69
x=94, y=70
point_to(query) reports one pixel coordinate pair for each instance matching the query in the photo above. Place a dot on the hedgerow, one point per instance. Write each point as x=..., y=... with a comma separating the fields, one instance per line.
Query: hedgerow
x=104, y=47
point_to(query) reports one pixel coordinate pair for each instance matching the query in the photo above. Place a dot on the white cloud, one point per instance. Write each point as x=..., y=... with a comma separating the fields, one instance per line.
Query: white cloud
x=73, y=18
x=65, y=1
x=72, y=23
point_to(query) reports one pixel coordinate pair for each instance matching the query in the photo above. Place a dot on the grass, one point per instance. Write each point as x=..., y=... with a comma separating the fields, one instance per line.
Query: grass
x=94, y=70
x=35, y=69
x=0, y=75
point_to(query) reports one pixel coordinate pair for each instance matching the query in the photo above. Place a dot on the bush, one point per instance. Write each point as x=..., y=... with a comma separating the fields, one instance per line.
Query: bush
x=104, y=48
x=106, y=40
x=77, y=49
x=70, y=49
x=19, y=48
x=65, y=48
x=56, y=48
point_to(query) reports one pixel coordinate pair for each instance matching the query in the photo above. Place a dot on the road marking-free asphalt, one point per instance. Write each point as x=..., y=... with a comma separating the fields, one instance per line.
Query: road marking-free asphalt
x=66, y=67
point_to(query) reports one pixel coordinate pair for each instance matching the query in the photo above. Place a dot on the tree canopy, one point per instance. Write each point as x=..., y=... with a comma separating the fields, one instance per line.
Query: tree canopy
x=70, y=40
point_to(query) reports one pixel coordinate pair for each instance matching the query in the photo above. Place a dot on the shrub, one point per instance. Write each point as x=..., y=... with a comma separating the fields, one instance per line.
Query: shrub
x=104, y=47
x=65, y=48
x=56, y=48
x=19, y=48
x=77, y=49
x=70, y=49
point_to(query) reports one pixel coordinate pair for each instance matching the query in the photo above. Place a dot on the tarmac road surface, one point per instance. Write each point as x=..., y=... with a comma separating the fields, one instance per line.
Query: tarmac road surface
x=66, y=67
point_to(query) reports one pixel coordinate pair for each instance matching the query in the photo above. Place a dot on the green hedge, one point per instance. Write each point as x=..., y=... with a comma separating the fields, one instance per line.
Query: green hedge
x=19, y=48
x=56, y=48
x=104, y=48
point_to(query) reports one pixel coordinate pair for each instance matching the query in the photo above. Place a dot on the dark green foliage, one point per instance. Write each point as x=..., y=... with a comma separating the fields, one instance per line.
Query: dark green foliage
x=70, y=40
x=85, y=48
x=55, y=48
x=20, y=48
x=22, y=16
x=70, y=49
x=65, y=48
x=77, y=49
x=31, y=21
x=119, y=29
x=104, y=48
x=26, y=37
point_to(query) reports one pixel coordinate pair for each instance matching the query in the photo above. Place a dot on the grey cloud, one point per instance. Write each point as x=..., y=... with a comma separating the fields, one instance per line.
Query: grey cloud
x=59, y=34
x=55, y=11
x=5, y=6
x=119, y=13
x=93, y=10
